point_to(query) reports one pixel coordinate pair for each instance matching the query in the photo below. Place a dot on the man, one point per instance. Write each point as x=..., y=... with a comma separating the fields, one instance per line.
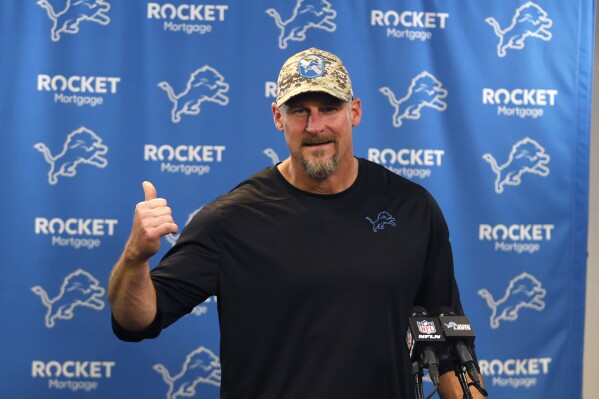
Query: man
x=316, y=262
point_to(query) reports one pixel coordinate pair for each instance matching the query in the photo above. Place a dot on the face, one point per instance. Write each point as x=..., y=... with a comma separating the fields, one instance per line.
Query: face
x=318, y=132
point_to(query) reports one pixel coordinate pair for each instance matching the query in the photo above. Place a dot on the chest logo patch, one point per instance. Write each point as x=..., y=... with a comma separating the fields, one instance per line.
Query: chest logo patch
x=383, y=218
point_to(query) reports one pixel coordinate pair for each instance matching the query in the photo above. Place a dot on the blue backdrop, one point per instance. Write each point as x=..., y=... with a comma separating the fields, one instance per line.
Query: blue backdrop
x=487, y=104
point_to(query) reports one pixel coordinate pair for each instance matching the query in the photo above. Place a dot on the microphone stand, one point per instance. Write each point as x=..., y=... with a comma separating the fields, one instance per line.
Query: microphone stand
x=417, y=373
x=459, y=372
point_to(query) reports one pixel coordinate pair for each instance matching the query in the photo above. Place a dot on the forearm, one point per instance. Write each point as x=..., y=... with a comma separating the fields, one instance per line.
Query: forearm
x=131, y=294
x=450, y=388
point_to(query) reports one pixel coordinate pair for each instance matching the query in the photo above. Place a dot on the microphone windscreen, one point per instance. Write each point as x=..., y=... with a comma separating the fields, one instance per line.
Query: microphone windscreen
x=419, y=311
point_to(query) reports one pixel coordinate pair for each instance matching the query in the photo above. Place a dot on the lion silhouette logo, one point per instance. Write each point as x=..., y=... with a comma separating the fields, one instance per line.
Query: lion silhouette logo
x=529, y=20
x=82, y=146
x=68, y=19
x=527, y=156
x=200, y=366
x=204, y=85
x=424, y=91
x=306, y=14
x=384, y=218
x=78, y=289
x=524, y=291
x=311, y=66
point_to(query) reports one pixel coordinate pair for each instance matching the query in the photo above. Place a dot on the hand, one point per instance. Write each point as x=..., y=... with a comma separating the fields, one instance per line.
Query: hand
x=450, y=388
x=152, y=220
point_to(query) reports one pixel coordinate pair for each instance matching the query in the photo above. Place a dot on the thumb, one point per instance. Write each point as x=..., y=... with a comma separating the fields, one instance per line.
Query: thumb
x=149, y=190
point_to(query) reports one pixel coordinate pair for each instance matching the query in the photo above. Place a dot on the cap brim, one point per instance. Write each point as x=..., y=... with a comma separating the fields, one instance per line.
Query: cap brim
x=314, y=89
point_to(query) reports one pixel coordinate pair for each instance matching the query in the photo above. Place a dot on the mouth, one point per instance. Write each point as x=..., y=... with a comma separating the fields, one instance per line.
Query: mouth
x=317, y=142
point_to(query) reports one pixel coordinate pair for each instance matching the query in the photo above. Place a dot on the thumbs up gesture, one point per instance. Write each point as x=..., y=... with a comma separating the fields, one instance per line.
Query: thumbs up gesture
x=152, y=220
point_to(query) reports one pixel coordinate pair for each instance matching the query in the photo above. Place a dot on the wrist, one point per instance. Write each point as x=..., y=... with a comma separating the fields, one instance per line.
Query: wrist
x=133, y=257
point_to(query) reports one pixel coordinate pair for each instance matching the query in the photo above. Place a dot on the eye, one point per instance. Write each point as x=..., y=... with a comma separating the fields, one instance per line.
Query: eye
x=329, y=109
x=298, y=111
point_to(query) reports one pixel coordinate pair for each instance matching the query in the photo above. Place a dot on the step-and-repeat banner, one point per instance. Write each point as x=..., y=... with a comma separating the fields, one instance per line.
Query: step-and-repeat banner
x=485, y=103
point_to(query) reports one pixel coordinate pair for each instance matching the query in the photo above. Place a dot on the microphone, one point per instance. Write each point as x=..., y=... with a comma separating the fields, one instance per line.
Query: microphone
x=423, y=337
x=459, y=333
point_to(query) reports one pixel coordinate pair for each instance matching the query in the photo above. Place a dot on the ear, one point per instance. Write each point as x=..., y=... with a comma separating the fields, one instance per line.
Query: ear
x=356, y=112
x=277, y=117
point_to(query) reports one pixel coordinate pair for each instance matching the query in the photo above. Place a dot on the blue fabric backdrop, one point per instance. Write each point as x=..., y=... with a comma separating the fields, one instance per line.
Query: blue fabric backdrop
x=487, y=104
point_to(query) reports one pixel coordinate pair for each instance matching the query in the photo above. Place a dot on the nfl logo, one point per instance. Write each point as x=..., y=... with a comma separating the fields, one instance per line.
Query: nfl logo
x=426, y=327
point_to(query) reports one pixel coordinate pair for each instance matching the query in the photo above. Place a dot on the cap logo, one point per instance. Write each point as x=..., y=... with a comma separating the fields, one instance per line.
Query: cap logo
x=311, y=66
x=313, y=70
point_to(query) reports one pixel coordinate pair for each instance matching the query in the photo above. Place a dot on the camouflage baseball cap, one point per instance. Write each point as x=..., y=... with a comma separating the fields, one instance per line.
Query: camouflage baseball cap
x=313, y=70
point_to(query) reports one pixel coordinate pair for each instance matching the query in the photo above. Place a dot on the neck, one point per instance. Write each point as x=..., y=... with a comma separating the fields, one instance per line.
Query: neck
x=342, y=179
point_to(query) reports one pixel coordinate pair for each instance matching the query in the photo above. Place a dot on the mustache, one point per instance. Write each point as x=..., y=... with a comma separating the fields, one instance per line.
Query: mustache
x=313, y=140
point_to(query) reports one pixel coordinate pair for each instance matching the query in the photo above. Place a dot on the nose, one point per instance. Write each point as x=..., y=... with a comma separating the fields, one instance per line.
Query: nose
x=315, y=123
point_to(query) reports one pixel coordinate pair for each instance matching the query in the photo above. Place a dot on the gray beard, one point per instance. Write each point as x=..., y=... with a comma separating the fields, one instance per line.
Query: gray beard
x=320, y=168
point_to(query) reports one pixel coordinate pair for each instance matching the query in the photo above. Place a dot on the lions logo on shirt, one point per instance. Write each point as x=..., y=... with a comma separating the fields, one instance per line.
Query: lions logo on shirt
x=384, y=218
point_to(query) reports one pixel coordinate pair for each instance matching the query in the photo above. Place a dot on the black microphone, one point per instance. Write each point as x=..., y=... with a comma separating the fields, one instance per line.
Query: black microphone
x=423, y=338
x=460, y=335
